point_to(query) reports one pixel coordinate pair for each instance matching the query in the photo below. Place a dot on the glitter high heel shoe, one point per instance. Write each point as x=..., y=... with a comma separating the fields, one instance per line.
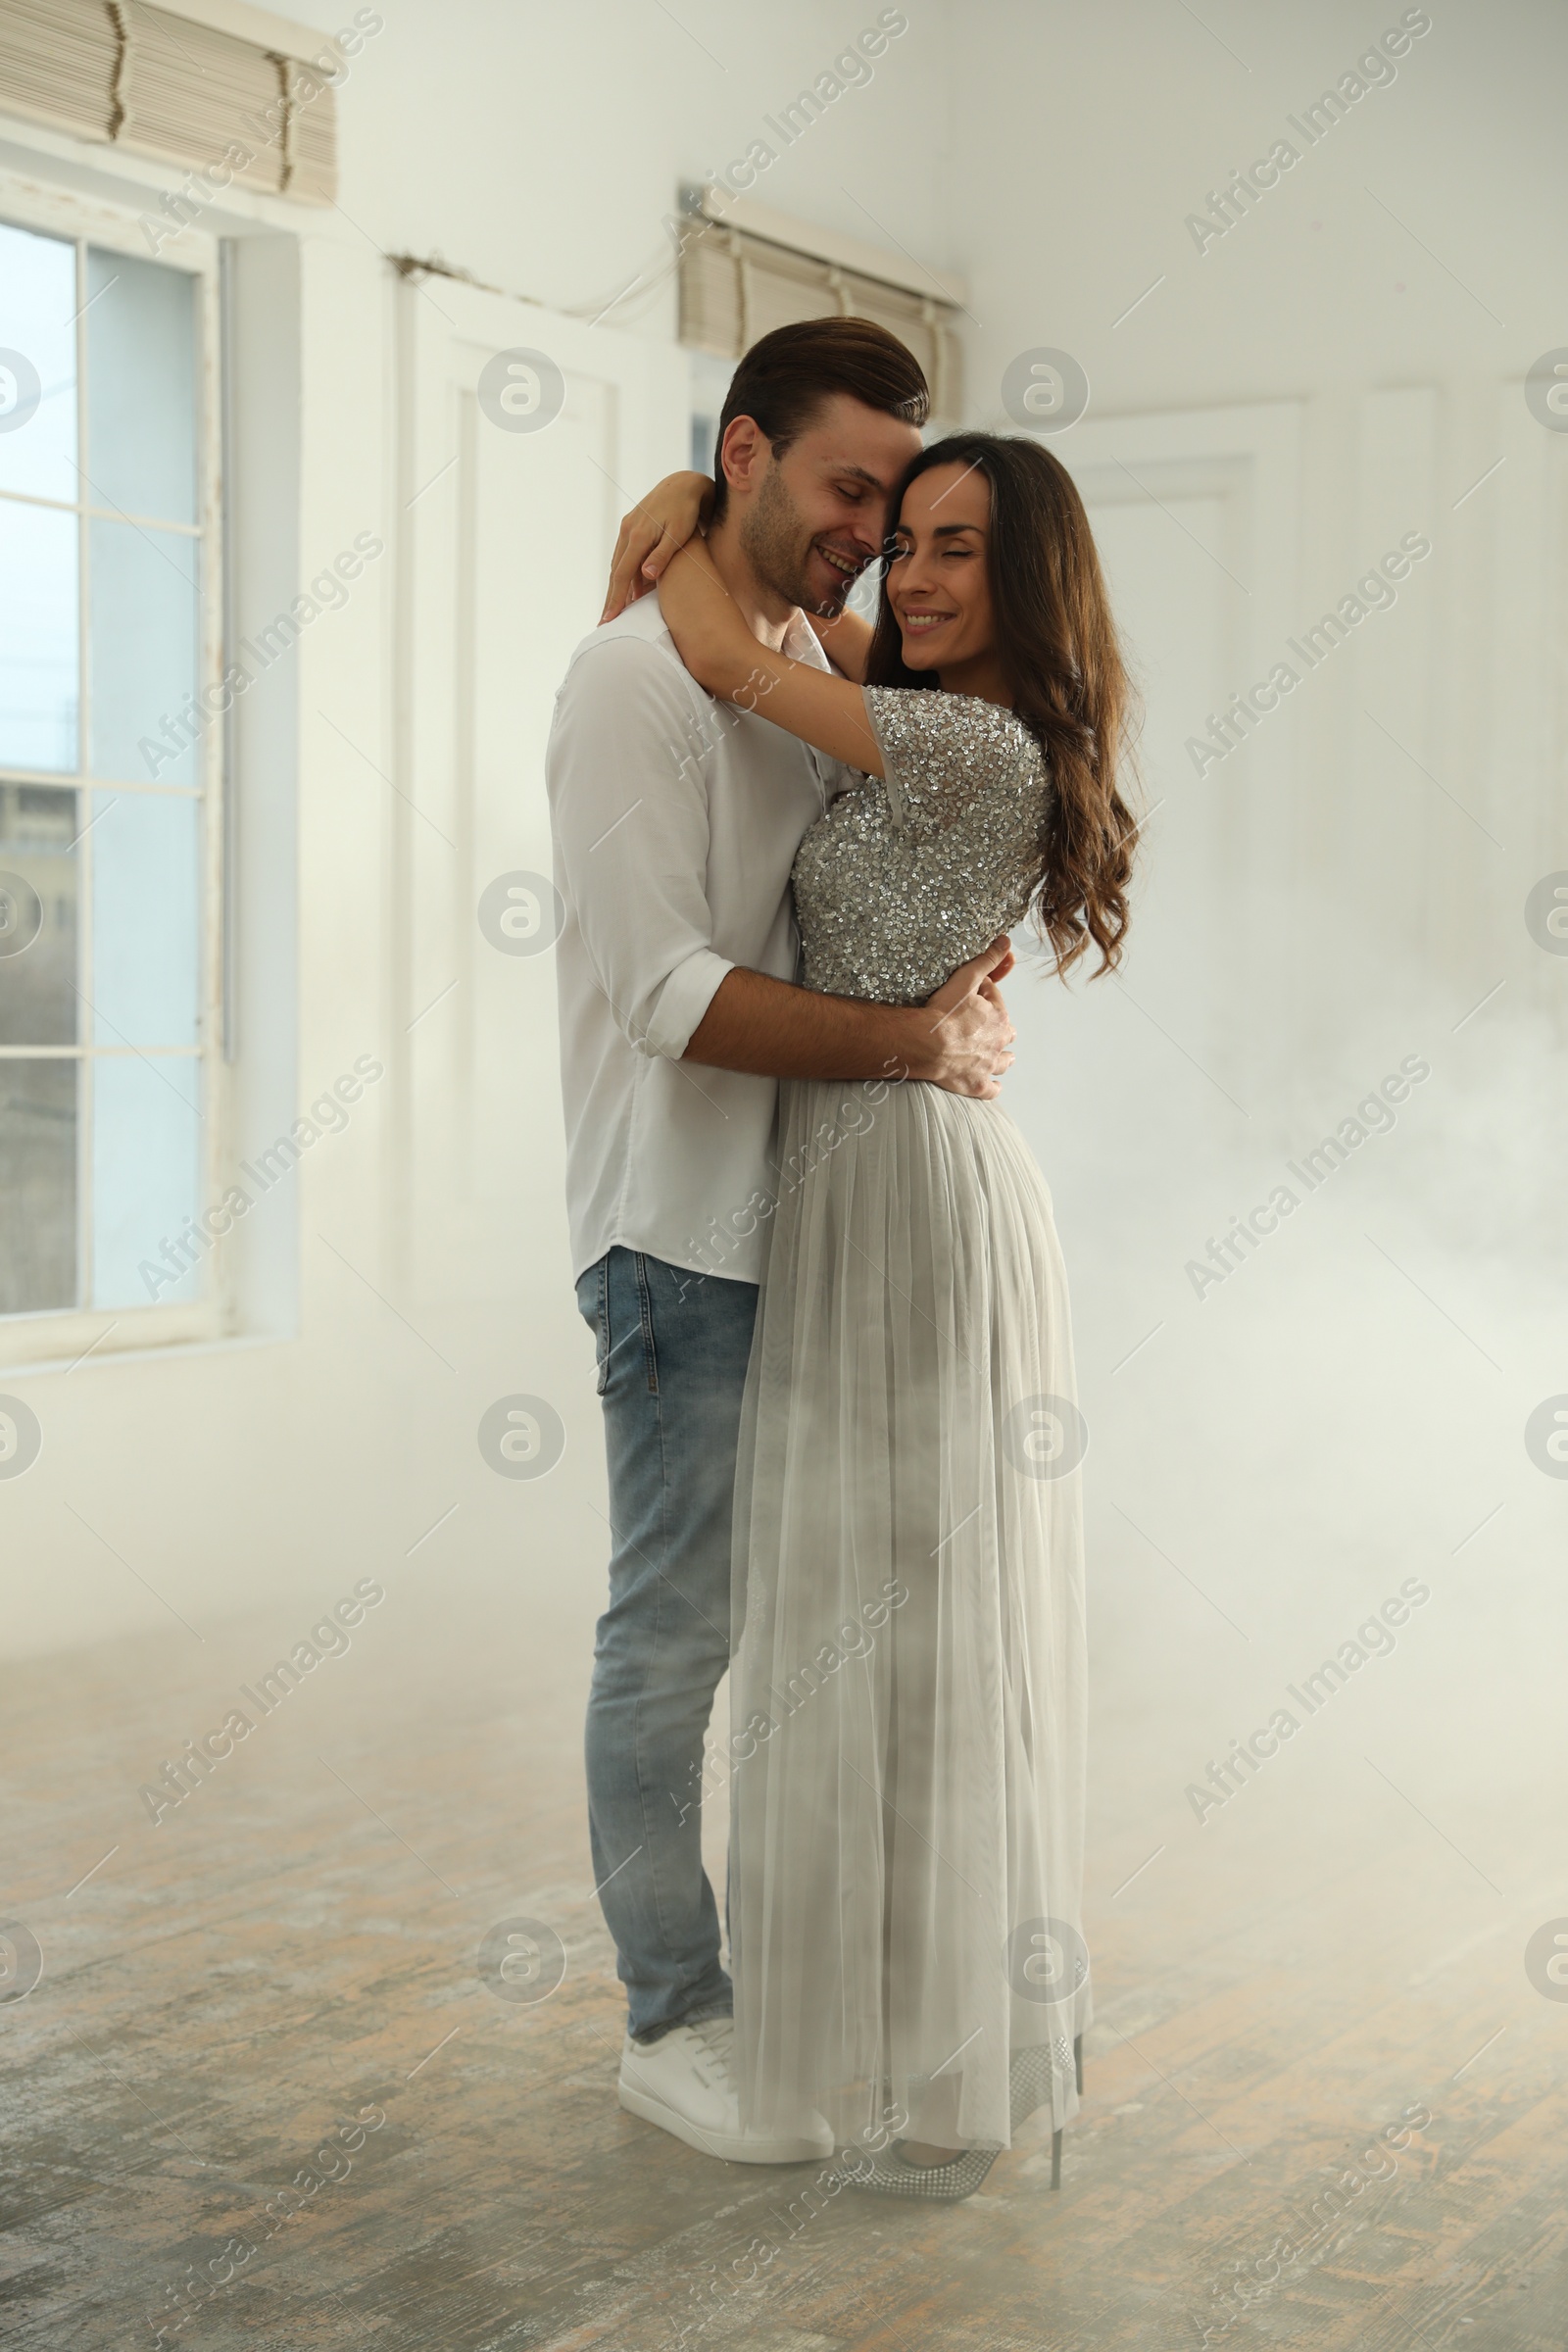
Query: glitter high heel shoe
x=1030, y=2083
x=890, y=2176
x=1032, y=2075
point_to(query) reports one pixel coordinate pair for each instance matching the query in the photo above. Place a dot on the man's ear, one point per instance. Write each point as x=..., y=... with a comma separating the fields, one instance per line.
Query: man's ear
x=743, y=454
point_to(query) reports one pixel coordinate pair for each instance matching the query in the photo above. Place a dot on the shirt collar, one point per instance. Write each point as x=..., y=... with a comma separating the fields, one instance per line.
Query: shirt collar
x=802, y=643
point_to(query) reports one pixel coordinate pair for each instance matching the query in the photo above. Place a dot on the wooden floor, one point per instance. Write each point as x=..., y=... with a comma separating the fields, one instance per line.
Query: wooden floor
x=292, y=1952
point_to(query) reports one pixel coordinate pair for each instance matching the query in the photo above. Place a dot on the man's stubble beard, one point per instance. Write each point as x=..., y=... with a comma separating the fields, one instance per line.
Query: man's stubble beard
x=777, y=545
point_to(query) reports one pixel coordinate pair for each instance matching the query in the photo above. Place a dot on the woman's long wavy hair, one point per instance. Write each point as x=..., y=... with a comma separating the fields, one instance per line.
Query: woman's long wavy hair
x=1063, y=661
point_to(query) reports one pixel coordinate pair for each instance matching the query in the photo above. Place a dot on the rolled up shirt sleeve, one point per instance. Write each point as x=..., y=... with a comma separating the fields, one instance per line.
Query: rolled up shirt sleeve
x=629, y=814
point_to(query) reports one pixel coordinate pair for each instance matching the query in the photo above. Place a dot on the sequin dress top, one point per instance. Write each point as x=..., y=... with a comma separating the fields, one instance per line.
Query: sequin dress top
x=908, y=876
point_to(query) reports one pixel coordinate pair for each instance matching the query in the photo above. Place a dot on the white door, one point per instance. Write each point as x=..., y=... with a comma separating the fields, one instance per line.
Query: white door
x=1196, y=519
x=525, y=436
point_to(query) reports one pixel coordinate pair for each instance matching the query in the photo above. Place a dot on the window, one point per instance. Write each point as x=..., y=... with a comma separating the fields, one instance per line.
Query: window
x=710, y=380
x=110, y=769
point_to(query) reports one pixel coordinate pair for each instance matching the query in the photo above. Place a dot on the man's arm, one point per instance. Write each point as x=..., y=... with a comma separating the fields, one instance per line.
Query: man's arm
x=632, y=859
x=960, y=1039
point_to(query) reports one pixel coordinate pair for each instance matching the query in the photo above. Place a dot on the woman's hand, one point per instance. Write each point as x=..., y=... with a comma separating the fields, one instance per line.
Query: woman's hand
x=673, y=512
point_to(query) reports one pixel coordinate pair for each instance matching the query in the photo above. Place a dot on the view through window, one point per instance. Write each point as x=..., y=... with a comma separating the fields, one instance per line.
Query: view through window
x=103, y=762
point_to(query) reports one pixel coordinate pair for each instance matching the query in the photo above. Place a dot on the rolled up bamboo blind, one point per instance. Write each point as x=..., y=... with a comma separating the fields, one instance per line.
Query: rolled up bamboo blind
x=735, y=287
x=146, y=79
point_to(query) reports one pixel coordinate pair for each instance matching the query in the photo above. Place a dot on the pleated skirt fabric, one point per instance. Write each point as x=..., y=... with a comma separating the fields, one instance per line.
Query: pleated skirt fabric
x=908, y=1672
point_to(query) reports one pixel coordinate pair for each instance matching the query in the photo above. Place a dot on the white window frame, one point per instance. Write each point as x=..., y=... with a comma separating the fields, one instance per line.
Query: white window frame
x=52, y=1334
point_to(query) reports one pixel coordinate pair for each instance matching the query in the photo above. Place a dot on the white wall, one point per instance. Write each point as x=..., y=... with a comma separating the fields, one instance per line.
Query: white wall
x=1048, y=155
x=1350, y=1406
x=539, y=152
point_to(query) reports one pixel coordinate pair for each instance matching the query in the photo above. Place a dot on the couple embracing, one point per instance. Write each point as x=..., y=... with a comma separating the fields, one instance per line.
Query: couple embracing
x=820, y=1266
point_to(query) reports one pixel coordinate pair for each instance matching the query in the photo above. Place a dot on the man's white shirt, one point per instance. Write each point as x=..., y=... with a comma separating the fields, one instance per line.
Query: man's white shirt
x=676, y=819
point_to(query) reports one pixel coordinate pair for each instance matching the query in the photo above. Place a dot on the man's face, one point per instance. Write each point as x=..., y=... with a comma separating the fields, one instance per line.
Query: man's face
x=811, y=519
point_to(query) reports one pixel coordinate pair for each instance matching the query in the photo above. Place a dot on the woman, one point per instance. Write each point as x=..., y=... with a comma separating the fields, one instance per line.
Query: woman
x=907, y=1666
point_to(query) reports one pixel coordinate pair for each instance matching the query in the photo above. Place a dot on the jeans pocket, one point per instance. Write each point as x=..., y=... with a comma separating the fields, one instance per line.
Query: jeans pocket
x=593, y=1302
x=644, y=1310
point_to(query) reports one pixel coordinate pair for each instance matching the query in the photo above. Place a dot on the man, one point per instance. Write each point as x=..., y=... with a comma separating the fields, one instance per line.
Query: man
x=676, y=820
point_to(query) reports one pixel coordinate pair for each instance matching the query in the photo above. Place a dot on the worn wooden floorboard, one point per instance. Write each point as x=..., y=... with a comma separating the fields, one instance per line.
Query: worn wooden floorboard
x=291, y=1953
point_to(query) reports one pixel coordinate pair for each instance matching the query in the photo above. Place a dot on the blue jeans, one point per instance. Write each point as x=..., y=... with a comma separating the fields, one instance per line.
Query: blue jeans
x=673, y=1353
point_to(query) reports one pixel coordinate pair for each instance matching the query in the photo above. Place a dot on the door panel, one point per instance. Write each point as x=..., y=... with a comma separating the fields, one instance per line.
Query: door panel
x=509, y=515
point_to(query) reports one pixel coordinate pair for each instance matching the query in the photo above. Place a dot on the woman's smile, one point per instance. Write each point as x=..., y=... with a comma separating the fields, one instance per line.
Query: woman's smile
x=917, y=623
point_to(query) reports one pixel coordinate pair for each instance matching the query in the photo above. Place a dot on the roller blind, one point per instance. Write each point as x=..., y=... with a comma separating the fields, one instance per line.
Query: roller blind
x=735, y=287
x=142, y=77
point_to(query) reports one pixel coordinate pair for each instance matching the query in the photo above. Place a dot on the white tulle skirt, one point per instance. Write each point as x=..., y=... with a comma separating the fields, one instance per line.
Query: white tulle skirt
x=907, y=1674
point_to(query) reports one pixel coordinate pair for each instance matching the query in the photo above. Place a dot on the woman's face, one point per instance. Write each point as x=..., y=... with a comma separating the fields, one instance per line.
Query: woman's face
x=937, y=578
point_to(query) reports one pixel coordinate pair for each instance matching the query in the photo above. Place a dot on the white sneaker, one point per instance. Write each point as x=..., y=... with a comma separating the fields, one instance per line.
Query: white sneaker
x=685, y=2083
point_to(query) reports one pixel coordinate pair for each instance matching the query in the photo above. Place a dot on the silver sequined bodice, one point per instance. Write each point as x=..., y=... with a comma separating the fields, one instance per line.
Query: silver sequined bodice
x=907, y=877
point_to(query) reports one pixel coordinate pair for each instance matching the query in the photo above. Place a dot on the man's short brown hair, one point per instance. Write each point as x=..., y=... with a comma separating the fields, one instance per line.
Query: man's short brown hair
x=786, y=378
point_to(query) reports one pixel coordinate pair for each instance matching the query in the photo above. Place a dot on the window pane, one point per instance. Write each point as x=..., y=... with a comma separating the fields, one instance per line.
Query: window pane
x=141, y=387
x=145, y=1156
x=38, y=915
x=145, y=931
x=38, y=638
x=142, y=663
x=38, y=1186
x=38, y=364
